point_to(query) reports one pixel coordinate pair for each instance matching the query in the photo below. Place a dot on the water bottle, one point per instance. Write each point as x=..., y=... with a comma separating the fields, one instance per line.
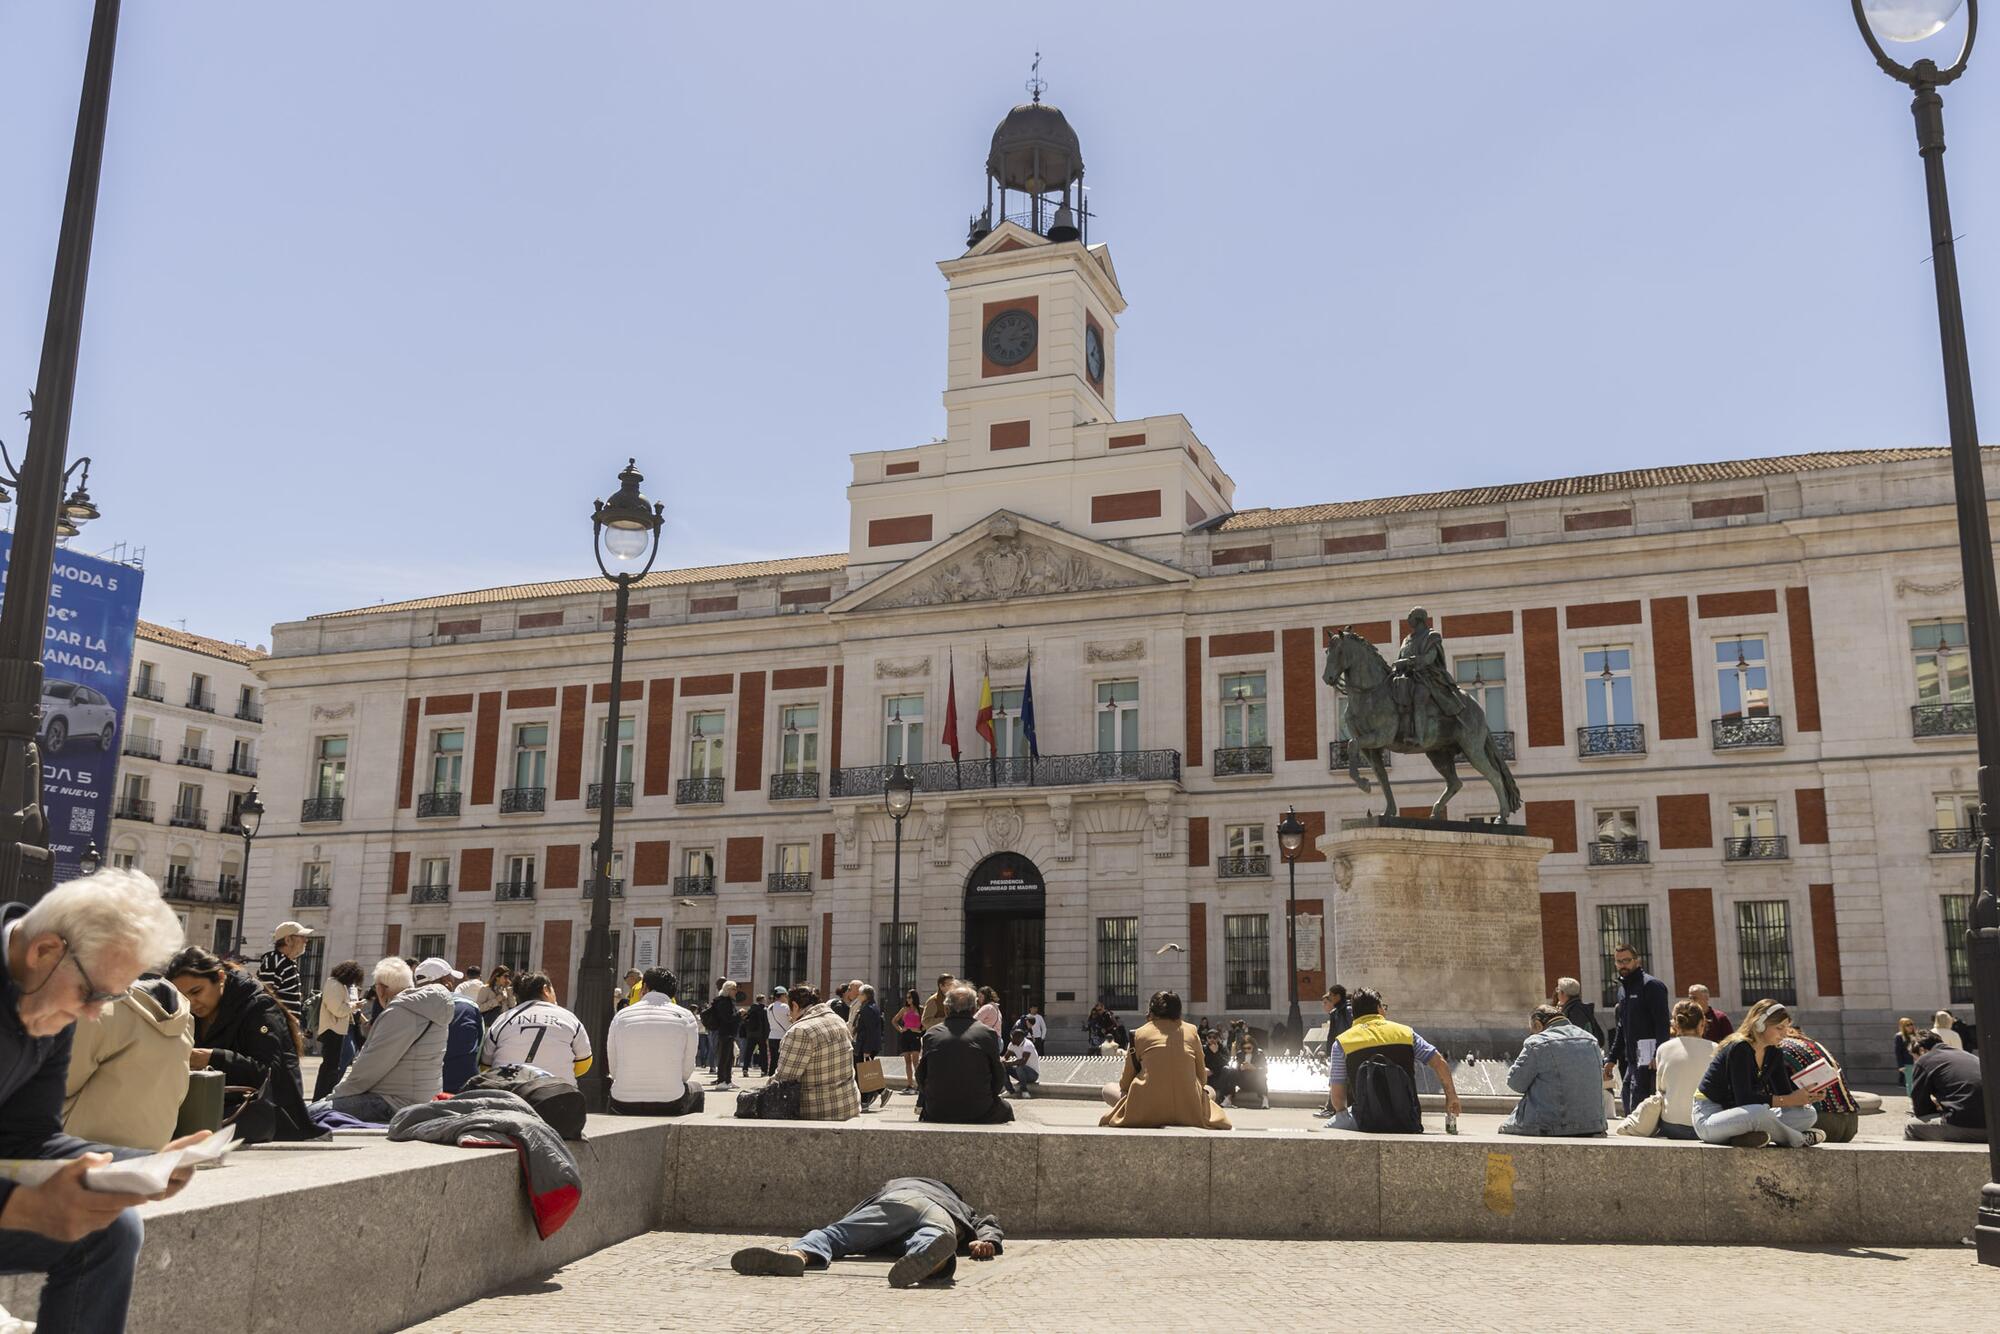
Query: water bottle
x=1451, y=1123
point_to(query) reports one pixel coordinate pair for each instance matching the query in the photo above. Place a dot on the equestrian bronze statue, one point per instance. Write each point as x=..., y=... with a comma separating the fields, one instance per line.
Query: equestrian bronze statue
x=1413, y=707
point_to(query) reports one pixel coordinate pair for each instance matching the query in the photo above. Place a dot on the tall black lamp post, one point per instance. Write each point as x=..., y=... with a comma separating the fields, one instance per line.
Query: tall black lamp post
x=1913, y=21
x=249, y=819
x=26, y=869
x=1292, y=837
x=626, y=532
x=899, y=790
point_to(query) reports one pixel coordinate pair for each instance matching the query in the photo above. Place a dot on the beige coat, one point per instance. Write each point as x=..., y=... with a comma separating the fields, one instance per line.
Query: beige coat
x=1165, y=1081
x=128, y=1071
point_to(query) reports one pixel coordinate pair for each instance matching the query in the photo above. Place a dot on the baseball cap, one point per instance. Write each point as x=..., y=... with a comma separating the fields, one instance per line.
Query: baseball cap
x=283, y=929
x=435, y=969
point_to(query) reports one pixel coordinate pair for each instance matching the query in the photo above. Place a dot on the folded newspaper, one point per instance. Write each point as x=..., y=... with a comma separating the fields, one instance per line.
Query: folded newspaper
x=149, y=1175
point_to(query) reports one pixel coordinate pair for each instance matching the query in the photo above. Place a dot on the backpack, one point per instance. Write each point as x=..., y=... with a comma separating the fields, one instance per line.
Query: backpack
x=556, y=1101
x=1383, y=1098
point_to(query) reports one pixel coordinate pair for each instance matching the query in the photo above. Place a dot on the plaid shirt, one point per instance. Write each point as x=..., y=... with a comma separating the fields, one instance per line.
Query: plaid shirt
x=819, y=1054
x=1800, y=1052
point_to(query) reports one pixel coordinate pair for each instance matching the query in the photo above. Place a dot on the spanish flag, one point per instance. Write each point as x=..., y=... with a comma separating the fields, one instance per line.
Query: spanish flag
x=983, y=724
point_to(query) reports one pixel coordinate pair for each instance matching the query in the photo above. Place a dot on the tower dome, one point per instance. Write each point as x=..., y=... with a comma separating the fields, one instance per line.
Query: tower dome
x=1035, y=152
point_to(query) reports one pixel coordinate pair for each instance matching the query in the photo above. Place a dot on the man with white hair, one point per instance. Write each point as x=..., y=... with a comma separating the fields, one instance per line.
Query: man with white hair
x=1581, y=1013
x=84, y=943
x=403, y=1059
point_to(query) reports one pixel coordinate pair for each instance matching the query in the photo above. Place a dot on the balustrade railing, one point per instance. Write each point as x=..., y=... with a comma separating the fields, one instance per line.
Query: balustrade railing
x=1089, y=768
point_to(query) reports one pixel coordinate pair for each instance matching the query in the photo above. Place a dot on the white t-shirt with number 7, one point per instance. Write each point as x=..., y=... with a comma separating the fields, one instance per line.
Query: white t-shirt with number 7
x=539, y=1033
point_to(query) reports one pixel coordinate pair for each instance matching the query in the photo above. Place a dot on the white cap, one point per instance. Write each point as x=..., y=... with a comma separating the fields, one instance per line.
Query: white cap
x=283, y=929
x=435, y=969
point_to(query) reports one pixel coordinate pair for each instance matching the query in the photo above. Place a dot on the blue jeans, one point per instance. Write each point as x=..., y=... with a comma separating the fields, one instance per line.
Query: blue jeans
x=360, y=1106
x=1785, y=1125
x=902, y=1218
x=1019, y=1077
x=89, y=1282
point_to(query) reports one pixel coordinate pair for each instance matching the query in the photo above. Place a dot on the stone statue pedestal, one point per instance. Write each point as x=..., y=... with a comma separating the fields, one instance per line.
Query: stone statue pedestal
x=1446, y=924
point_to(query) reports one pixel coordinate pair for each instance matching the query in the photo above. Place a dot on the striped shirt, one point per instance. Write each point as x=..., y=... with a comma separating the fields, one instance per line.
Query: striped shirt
x=282, y=973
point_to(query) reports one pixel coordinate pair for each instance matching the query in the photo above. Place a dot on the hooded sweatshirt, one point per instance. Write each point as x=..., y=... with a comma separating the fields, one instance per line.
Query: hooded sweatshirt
x=128, y=1070
x=403, y=1061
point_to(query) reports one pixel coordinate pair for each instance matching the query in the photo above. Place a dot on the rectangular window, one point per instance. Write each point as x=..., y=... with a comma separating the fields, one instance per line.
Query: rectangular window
x=1944, y=670
x=514, y=946
x=1957, y=961
x=246, y=701
x=1621, y=924
x=699, y=862
x=628, y=730
x=330, y=767
x=434, y=871
x=705, y=744
x=1764, y=951
x=886, y=960
x=1244, y=840
x=1607, y=687
x=1009, y=740
x=1246, y=972
x=188, y=801
x=1957, y=810
x=531, y=755
x=317, y=875
x=312, y=964
x=691, y=954
x=1742, y=678
x=1117, y=717
x=148, y=680
x=521, y=870
x=798, y=751
x=225, y=937
x=136, y=787
x=795, y=858
x=1118, y=962
x=125, y=861
x=788, y=956
x=424, y=946
x=1753, y=819
x=240, y=759
x=1617, y=825
x=1243, y=711
x=903, y=729
x=1483, y=678
x=447, y=760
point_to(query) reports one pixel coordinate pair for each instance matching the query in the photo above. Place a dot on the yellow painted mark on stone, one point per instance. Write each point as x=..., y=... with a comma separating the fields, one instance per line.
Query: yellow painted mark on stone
x=1500, y=1183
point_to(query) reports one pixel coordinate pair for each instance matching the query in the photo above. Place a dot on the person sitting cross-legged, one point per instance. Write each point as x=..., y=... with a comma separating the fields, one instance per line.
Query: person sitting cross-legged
x=959, y=1076
x=651, y=1052
x=926, y=1220
x=1747, y=1098
x=1559, y=1077
x=403, y=1060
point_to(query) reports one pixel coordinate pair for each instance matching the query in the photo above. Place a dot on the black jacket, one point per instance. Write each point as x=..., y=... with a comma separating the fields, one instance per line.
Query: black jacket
x=868, y=1030
x=1946, y=1082
x=839, y=1007
x=1583, y=1015
x=757, y=1024
x=971, y=1224
x=720, y=1016
x=959, y=1075
x=1642, y=1015
x=246, y=1036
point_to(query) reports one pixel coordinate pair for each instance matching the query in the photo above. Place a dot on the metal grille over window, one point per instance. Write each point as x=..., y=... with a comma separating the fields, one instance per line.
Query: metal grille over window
x=1957, y=961
x=1621, y=924
x=1247, y=961
x=1764, y=950
x=1118, y=962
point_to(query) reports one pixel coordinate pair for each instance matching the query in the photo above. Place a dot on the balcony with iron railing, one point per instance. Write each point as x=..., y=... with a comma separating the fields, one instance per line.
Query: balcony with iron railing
x=621, y=796
x=1090, y=769
x=133, y=808
x=250, y=711
x=187, y=817
x=142, y=747
x=523, y=800
x=437, y=805
x=194, y=757
x=244, y=766
x=321, y=810
x=1615, y=739
x=1954, y=840
x=1927, y=720
x=617, y=889
x=1243, y=866
x=514, y=891
x=800, y=786
x=1619, y=852
x=694, y=884
x=312, y=896
x=1339, y=752
x=204, y=700
x=1238, y=761
x=1747, y=733
x=431, y=891
x=698, y=791
x=232, y=823
x=148, y=689
x=789, y=882
x=1767, y=848
x=187, y=889
x=229, y=889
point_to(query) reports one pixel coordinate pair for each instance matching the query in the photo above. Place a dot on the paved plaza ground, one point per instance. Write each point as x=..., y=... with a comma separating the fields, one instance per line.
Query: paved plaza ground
x=681, y=1280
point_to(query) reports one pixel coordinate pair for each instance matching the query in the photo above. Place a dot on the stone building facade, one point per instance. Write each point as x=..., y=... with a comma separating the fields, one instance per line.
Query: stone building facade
x=1735, y=695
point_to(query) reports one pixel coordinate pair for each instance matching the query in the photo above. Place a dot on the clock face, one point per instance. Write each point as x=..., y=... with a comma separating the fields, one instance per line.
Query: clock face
x=1093, y=353
x=1010, y=338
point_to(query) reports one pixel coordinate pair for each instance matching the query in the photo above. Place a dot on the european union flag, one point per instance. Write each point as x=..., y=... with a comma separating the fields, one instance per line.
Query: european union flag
x=1028, y=711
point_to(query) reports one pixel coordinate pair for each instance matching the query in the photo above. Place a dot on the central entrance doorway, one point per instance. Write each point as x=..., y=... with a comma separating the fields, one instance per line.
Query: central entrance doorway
x=1004, y=898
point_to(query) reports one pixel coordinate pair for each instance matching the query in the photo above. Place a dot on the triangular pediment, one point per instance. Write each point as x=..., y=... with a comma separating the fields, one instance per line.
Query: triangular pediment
x=1007, y=236
x=1006, y=556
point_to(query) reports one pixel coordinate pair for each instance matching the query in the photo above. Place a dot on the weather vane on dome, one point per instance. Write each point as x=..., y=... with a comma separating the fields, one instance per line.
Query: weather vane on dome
x=1036, y=83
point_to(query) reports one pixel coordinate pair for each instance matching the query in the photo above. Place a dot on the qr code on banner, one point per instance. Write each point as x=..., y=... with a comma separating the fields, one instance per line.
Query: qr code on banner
x=82, y=820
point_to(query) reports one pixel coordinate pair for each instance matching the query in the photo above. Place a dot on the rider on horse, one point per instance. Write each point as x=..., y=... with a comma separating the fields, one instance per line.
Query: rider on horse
x=1421, y=660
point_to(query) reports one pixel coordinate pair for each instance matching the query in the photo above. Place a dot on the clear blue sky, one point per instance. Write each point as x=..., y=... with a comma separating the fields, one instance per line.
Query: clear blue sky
x=384, y=293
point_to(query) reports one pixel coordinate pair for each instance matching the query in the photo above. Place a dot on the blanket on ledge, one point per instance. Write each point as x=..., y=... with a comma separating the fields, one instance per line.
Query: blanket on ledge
x=492, y=1118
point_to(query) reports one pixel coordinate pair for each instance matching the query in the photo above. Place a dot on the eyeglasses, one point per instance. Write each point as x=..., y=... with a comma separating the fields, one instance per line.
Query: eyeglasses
x=92, y=996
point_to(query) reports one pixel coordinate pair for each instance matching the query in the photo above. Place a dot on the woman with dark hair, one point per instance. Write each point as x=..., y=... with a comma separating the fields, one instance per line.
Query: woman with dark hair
x=241, y=1029
x=909, y=1026
x=989, y=1010
x=337, y=1004
x=1163, y=1083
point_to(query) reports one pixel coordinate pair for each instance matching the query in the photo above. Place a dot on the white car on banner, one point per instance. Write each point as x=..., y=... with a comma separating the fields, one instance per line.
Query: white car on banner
x=73, y=712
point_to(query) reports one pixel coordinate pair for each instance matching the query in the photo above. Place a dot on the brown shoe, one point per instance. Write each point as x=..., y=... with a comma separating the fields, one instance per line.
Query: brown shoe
x=770, y=1261
x=1755, y=1139
x=919, y=1265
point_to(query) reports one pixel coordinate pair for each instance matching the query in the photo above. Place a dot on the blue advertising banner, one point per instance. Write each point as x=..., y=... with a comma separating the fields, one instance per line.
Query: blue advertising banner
x=86, y=665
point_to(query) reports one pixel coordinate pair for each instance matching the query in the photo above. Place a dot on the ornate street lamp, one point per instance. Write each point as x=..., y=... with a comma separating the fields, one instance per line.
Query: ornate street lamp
x=1292, y=837
x=899, y=790
x=91, y=859
x=249, y=819
x=626, y=532
x=1913, y=21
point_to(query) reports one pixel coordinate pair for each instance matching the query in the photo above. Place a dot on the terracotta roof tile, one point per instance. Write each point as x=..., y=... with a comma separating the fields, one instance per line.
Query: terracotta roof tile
x=1594, y=484
x=214, y=648
x=702, y=574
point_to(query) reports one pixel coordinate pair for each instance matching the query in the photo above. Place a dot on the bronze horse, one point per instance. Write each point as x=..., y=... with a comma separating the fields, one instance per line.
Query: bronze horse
x=1356, y=670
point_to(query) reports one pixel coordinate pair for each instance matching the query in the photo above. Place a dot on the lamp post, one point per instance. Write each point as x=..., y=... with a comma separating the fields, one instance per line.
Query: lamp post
x=249, y=819
x=26, y=869
x=1292, y=837
x=1912, y=21
x=625, y=528
x=899, y=790
x=91, y=860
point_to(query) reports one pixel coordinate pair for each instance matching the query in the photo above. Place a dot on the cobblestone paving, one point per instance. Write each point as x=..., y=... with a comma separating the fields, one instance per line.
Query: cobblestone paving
x=680, y=1281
